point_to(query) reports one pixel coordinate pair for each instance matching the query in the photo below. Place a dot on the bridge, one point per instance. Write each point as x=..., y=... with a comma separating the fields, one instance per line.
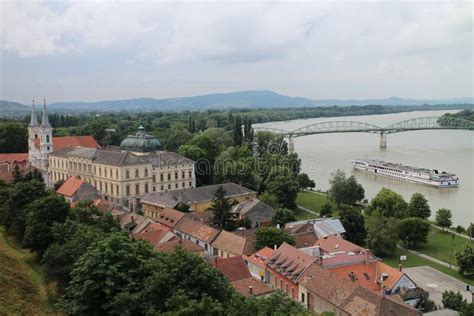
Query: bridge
x=415, y=124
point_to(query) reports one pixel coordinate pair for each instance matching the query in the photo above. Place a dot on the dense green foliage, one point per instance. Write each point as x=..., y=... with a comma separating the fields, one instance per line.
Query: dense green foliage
x=272, y=236
x=465, y=261
x=418, y=206
x=382, y=235
x=283, y=216
x=220, y=208
x=354, y=224
x=464, y=115
x=444, y=218
x=453, y=300
x=388, y=204
x=345, y=190
x=13, y=138
x=413, y=231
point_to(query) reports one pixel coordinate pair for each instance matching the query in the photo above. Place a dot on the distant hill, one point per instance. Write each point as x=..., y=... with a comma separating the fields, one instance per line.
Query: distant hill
x=9, y=108
x=240, y=99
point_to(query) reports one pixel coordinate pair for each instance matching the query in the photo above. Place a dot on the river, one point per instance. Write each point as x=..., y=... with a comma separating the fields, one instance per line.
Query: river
x=447, y=150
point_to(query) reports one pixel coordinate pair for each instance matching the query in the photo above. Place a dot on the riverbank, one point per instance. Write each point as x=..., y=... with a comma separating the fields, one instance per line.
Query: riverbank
x=441, y=245
x=23, y=288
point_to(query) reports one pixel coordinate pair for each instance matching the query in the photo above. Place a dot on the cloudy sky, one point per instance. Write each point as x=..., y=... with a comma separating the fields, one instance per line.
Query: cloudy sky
x=88, y=51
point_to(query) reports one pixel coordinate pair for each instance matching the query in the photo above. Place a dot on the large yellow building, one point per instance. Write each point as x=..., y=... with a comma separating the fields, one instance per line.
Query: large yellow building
x=127, y=174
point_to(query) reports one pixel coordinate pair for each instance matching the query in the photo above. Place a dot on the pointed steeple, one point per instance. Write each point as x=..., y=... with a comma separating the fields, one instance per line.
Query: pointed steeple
x=45, y=119
x=34, y=119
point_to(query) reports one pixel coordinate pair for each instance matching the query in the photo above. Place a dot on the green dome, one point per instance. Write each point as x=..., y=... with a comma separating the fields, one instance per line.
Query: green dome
x=140, y=142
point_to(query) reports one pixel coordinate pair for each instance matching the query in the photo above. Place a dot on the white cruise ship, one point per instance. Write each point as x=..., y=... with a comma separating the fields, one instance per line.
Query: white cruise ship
x=433, y=177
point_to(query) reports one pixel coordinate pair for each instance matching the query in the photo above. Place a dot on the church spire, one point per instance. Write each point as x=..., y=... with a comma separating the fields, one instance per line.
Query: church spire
x=34, y=119
x=45, y=119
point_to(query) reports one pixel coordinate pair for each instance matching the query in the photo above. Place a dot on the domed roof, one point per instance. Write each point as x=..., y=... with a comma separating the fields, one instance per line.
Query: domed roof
x=140, y=142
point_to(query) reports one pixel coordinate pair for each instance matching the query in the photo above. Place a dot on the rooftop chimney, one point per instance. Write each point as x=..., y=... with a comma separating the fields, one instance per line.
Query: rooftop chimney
x=275, y=247
x=367, y=256
x=250, y=290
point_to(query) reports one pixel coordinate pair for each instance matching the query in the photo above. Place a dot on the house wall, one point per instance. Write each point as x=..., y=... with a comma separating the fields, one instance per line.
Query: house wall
x=404, y=282
x=122, y=185
x=208, y=250
x=257, y=272
x=280, y=282
x=222, y=253
x=317, y=304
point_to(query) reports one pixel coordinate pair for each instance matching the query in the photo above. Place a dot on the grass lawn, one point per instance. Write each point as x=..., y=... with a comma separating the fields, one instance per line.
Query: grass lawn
x=416, y=261
x=22, y=285
x=302, y=215
x=312, y=200
x=441, y=245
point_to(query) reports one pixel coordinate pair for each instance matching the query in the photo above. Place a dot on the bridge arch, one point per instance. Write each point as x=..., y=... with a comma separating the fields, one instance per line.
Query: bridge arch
x=335, y=127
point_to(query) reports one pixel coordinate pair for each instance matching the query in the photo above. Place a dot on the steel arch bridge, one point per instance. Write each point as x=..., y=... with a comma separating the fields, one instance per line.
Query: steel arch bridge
x=420, y=123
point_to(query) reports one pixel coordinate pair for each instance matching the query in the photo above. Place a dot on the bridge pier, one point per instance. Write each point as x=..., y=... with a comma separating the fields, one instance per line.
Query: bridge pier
x=383, y=140
x=291, y=145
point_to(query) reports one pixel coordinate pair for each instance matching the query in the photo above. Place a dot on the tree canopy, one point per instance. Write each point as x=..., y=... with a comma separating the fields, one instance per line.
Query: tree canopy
x=345, y=190
x=272, y=236
x=388, y=204
x=418, y=206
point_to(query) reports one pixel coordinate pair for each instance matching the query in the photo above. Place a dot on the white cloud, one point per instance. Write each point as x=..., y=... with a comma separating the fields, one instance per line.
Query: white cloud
x=320, y=43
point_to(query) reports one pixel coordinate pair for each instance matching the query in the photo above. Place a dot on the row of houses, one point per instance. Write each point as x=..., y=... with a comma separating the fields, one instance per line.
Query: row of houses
x=323, y=271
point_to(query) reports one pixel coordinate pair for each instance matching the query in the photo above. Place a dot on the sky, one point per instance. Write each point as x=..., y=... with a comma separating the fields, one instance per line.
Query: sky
x=106, y=50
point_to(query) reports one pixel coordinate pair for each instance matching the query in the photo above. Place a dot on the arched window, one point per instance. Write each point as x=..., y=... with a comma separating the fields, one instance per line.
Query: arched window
x=47, y=138
x=137, y=189
x=127, y=190
x=146, y=187
x=137, y=173
x=127, y=174
x=146, y=172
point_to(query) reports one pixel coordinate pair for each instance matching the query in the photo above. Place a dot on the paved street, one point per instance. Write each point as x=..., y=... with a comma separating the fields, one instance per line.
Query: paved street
x=436, y=282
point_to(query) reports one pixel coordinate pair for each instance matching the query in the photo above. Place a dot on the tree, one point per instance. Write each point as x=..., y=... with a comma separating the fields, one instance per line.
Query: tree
x=453, y=300
x=238, y=137
x=176, y=136
x=276, y=304
x=41, y=215
x=465, y=260
x=14, y=210
x=443, y=218
x=285, y=189
x=326, y=210
x=467, y=310
x=110, y=266
x=413, y=231
x=271, y=236
x=305, y=182
x=13, y=138
x=345, y=190
x=354, y=224
x=220, y=208
x=470, y=230
x=17, y=175
x=388, y=204
x=34, y=175
x=418, y=206
x=382, y=235
x=71, y=240
x=248, y=132
x=283, y=216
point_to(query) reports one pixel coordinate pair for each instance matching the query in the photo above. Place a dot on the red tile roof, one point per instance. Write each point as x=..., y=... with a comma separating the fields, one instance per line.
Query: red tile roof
x=258, y=288
x=335, y=244
x=260, y=258
x=70, y=186
x=290, y=261
x=351, y=297
x=171, y=246
x=13, y=157
x=169, y=217
x=367, y=275
x=154, y=234
x=72, y=141
x=234, y=243
x=233, y=268
x=197, y=230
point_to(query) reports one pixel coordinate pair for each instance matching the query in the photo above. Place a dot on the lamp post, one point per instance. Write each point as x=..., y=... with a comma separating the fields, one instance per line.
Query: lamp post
x=470, y=288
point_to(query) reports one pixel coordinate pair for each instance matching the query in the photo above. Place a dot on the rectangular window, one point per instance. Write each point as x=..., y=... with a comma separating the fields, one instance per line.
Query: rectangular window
x=182, y=175
x=146, y=187
x=302, y=297
x=169, y=176
x=116, y=174
x=137, y=189
x=175, y=185
x=176, y=176
x=154, y=178
x=161, y=177
x=162, y=188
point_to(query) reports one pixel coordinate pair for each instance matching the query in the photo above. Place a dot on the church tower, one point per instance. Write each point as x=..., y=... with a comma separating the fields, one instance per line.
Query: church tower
x=46, y=143
x=34, y=138
x=40, y=139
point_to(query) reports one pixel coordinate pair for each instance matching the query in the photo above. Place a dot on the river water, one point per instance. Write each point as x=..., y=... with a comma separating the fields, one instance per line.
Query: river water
x=447, y=150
